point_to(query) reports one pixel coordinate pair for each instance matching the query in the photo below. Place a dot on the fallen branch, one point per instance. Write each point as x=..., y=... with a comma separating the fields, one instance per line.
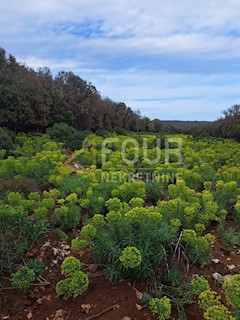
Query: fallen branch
x=103, y=312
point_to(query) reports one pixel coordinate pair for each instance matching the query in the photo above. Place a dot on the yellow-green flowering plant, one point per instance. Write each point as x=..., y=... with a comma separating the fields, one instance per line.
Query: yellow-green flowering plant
x=161, y=307
x=130, y=257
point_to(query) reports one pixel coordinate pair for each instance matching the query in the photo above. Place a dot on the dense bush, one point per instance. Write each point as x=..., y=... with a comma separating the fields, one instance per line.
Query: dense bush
x=200, y=247
x=161, y=307
x=199, y=284
x=75, y=283
x=71, y=138
x=210, y=301
x=141, y=227
x=36, y=158
x=129, y=190
x=6, y=139
x=17, y=234
x=133, y=243
x=23, y=278
x=69, y=266
x=232, y=291
x=68, y=216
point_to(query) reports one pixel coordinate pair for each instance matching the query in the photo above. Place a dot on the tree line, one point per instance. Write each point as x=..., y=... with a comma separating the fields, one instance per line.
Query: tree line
x=227, y=126
x=33, y=100
x=37, y=101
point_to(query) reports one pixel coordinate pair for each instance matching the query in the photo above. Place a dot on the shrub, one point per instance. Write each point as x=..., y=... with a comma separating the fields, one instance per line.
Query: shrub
x=161, y=307
x=229, y=237
x=131, y=257
x=63, y=288
x=36, y=265
x=208, y=299
x=62, y=235
x=114, y=219
x=237, y=208
x=6, y=139
x=129, y=190
x=48, y=203
x=14, y=198
x=17, y=234
x=78, y=244
x=68, y=216
x=113, y=204
x=199, y=284
x=98, y=221
x=61, y=132
x=219, y=312
x=232, y=291
x=34, y=196
x=150, y=235
x=73, y=286
x=53, y=193
x=72, y=198
x=79, y=283
x=41, y=212
x=199, y=247
x=226, y=193
x=22, y=185
x=23, y=278
x=69, y=266
x=88, y=232
x=76, y=282
x=136, y=202
x=65, y=133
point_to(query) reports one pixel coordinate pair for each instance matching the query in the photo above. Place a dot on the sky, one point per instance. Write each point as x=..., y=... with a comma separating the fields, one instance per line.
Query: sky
x=172, y=60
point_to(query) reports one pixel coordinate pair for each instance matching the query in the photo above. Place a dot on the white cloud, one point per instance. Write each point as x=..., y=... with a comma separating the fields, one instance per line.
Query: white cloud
x=124, y=59
x=151, y=27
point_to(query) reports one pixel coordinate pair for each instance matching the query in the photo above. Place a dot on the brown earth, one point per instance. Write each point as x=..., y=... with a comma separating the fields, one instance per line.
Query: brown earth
x=116, y=301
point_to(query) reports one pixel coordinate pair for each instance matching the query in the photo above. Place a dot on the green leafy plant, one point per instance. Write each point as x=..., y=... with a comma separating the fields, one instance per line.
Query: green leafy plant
x=161, y=307
x=62, y=235
x=173, y=276
x=210, y=302
x=23, y=278
x=68, y=216
x=237, y=208
x=17, y=234
x=199, y=284
x=136, y=202
x=130, y=257
x=15, y=198
x=98, y=221
x=229, y=237
x=88, y=232
x=41, y=212
x=199, y=247
x=37, y=266
x=78, y=244
x=143, y=229
x=218, y=312
x=129, y=190
x=35, y=196
x=75, y=283
x=73, y=286
x=52, y=193
x=208, y=299
x=113, y=204
x=72, y=198
x=70, y=265
x=231, y=286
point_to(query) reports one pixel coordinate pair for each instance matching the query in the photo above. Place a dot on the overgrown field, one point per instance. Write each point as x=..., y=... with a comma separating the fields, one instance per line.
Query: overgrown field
x=160, y=214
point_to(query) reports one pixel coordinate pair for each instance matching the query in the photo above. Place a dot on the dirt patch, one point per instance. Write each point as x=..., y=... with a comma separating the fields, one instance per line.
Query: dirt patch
x=119, y=301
